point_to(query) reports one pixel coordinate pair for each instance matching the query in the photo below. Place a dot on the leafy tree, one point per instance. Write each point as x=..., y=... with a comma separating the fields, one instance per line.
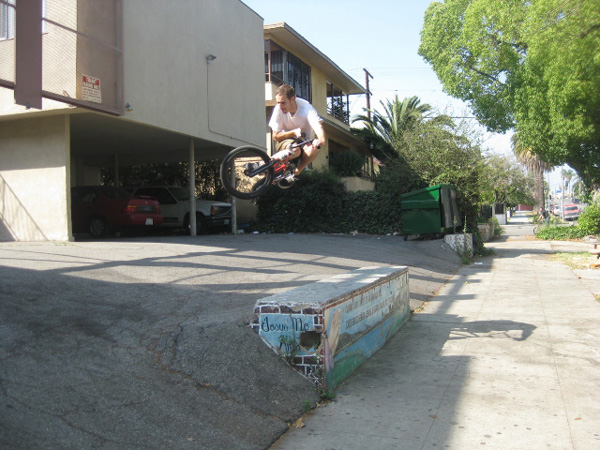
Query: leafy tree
x=442, y=156
x=504, y=181
x=532, y=66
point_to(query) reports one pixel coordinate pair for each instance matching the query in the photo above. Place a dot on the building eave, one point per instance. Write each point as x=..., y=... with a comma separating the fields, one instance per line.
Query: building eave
x=291, y=40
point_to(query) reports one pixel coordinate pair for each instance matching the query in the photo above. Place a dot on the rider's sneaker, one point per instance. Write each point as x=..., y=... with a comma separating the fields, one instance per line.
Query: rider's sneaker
x=290, y=177
x=287, y=180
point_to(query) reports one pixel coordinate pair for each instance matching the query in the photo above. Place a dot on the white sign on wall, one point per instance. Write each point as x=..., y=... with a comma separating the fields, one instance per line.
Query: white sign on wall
x=90, y=89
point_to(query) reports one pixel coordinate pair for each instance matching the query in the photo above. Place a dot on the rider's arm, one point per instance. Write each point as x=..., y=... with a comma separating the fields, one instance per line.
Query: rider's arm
x=281, y=135
x=316, y=123
x=320, y=132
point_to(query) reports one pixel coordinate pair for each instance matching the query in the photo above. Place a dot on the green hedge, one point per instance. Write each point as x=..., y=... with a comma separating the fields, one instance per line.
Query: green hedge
x=318, y=202
x=589, y=222
x=558, y=233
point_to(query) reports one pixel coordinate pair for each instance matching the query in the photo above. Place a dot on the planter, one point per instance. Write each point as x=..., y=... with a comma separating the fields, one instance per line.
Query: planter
x=486, y=231
x=460, y=243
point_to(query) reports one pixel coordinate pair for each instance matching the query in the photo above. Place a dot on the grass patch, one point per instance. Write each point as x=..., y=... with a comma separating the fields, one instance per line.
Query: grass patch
x=578, y=260
x=560, y=233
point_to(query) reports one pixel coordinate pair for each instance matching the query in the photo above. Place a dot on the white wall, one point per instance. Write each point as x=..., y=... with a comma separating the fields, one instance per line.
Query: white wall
x=168, y=82
x=34, y=155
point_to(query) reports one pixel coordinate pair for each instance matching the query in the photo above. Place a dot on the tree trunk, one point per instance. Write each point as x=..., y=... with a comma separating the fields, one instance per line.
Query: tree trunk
x=538, y=177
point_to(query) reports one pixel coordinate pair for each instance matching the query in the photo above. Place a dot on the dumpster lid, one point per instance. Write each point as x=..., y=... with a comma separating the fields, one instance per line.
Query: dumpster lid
x=428, y=189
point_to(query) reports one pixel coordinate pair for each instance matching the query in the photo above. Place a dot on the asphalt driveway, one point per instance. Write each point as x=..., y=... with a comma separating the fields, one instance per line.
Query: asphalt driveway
x=144, y=343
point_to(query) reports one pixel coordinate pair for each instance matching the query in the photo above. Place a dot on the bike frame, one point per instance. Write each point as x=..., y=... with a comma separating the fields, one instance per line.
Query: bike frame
x=278, y=165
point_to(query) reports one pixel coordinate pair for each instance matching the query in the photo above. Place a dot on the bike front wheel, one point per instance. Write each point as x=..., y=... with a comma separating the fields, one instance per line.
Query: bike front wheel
x=237, y=169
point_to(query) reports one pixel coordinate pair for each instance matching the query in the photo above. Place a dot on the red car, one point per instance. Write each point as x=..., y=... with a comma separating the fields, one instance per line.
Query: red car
x=99, y=210
x=572, y=212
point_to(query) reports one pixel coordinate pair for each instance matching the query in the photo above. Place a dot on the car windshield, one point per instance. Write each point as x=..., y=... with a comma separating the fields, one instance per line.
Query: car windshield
x=570, y=208
x=180, y=193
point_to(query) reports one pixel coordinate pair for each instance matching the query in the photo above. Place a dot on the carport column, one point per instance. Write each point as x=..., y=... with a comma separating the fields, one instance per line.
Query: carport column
x=116, y=171
x=192, y=166
x=233, y=207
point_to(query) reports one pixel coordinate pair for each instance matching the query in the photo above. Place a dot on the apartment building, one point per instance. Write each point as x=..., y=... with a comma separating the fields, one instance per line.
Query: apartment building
x=86, y=84
x=291, y=59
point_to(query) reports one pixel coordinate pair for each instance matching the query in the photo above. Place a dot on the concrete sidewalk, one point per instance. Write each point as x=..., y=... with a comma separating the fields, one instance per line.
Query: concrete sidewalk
x=506, y=356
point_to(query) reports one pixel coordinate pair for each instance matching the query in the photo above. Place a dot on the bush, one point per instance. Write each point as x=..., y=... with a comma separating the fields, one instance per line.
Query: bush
x=346, y=164
x=307, y=207
x=498, y=230
x=557, y=233
x=318, y=202
x=589, y=221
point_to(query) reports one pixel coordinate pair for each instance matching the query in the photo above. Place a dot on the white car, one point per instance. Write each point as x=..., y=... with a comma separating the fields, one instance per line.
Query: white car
x=175, y=208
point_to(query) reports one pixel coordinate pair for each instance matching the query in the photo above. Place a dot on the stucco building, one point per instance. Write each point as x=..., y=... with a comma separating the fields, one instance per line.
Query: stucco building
x=118, y=83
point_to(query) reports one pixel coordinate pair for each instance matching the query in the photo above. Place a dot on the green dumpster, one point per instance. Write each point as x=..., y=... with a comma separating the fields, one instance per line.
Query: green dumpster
x=433, y=210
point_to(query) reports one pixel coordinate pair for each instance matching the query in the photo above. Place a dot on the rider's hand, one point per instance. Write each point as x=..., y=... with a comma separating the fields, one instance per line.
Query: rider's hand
x=316, y=144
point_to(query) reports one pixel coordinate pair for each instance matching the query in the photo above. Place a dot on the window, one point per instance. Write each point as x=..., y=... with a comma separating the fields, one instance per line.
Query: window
x=7, y=19
x=282, y=67
x=298, y=76
x=274, y=65
x=337, y=103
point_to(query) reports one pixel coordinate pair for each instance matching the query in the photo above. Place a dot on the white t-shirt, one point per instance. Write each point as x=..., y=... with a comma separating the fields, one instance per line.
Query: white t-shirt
x=306, y=118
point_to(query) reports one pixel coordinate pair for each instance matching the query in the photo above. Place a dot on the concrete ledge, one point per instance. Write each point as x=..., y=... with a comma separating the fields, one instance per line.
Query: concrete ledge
x=329, y=328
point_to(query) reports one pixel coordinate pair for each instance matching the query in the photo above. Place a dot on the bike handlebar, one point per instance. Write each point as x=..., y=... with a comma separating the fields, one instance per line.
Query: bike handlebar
x=301, y=143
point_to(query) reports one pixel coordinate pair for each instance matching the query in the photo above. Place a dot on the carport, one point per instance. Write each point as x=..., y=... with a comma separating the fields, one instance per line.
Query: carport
x=97, y=83
x=102, y=141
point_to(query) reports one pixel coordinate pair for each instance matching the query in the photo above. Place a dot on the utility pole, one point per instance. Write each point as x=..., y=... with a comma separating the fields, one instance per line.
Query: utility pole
x=367, y=76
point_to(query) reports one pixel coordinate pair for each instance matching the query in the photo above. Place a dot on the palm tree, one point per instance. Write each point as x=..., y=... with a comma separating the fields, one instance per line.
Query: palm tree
x=528, y=157
x=399, y=117
x=568, y=175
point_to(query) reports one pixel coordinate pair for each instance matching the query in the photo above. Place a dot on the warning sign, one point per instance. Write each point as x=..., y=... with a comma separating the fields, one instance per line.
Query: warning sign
x=90, y=89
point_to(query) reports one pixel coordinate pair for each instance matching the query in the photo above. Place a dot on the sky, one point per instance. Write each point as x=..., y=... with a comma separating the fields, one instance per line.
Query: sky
x=382, y=36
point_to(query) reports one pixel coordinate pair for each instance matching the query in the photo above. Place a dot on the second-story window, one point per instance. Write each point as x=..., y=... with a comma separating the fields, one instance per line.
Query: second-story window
x=337, y=103
x=282, y=67
x=7, y=19
x=298, y=77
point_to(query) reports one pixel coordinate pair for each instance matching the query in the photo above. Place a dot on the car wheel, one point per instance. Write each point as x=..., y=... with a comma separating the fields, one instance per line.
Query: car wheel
x=200, y=224
x=98, y=228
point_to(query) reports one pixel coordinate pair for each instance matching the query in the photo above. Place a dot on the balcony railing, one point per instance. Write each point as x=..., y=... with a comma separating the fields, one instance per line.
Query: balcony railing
x=339, y=109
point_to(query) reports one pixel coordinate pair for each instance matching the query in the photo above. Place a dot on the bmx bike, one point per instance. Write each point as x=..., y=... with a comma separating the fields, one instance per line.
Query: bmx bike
x=248, y=172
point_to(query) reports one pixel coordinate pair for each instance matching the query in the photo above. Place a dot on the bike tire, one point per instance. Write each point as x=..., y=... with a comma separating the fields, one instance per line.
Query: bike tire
x=236, y=181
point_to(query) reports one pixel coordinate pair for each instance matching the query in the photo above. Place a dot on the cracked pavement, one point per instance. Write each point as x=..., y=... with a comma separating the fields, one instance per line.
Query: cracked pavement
x=143, y=343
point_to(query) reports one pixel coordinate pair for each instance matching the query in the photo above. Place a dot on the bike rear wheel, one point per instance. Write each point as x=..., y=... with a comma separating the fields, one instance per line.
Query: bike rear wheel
x=235, y=174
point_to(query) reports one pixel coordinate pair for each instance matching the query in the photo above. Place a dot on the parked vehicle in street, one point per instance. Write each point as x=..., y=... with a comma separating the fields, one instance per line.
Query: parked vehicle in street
x=571, y=212
x=556, y=210
x=175, y=207
x=100, y=210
